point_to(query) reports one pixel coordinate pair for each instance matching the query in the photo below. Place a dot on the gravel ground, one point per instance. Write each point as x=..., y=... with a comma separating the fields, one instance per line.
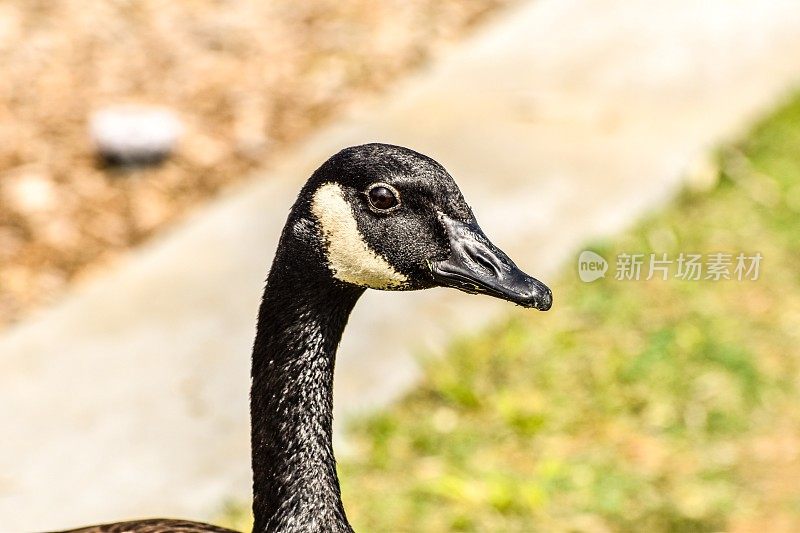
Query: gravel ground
x=247, y=77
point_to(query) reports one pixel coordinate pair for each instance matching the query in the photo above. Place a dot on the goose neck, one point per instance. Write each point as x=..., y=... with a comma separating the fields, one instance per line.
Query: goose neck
x=301, y=320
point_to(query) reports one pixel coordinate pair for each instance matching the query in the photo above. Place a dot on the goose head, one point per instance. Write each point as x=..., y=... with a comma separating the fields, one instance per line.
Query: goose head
x=386, y=217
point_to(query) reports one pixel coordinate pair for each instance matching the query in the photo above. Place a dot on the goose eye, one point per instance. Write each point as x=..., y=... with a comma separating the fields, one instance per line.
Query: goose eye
x=382, y=198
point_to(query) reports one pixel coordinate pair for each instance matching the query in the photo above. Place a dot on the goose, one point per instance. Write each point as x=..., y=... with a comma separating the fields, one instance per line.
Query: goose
x=374, y=216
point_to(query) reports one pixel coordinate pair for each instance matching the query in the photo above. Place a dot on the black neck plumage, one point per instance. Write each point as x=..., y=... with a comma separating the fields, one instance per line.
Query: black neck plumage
x=302, y=316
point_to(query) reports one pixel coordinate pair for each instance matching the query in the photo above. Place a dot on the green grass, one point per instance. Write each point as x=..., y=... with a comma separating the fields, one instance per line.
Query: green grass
x=631, y=406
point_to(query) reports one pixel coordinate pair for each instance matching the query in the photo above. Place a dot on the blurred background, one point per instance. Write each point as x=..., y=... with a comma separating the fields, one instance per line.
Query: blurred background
x=150, y=151
x=245, y=79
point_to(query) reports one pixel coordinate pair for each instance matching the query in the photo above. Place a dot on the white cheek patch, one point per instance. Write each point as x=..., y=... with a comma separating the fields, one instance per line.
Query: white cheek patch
x=349, y=257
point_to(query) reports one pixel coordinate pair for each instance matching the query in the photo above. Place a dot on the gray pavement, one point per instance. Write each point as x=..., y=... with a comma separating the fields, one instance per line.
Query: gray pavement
x=561, y=120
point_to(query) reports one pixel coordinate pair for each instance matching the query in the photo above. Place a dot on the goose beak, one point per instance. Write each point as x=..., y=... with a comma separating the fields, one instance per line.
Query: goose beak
x=477, y=266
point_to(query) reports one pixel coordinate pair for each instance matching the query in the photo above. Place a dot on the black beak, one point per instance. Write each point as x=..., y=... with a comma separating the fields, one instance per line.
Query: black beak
x=476, y=266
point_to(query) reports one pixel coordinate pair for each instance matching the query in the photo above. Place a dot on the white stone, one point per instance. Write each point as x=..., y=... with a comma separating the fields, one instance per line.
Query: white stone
x=135, y=134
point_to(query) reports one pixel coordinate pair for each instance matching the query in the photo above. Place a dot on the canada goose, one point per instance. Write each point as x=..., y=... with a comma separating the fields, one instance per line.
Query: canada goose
x=372, y=216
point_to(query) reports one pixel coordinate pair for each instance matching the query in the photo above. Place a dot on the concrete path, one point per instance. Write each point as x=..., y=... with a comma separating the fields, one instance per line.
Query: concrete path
x=564, y=119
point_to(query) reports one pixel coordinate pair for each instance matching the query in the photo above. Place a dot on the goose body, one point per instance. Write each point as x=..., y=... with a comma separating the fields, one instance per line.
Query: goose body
x=372, y=216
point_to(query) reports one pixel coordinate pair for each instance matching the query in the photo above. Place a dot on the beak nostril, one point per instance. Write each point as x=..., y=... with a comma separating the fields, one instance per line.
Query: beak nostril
x=486, y=263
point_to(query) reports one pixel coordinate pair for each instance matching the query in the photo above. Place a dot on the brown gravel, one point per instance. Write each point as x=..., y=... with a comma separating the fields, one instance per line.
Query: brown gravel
x=248, y=77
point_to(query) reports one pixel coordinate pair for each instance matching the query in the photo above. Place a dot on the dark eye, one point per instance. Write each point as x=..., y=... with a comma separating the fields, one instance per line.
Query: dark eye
x=382, y=197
